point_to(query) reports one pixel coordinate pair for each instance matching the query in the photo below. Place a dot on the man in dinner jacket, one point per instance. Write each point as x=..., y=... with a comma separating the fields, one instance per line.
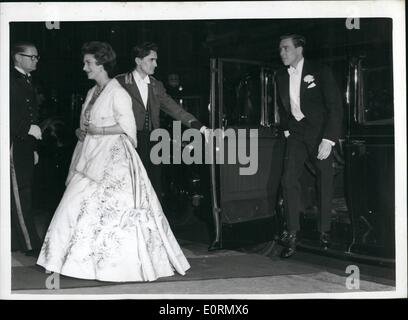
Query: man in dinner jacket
x=310, y=108
x=149, y=97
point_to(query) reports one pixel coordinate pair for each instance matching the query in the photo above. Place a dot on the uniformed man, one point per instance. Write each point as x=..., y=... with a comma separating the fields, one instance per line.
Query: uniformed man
x=24, y=134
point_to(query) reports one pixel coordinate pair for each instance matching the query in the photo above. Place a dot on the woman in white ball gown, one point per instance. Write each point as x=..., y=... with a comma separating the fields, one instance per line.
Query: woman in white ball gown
x=109, y=225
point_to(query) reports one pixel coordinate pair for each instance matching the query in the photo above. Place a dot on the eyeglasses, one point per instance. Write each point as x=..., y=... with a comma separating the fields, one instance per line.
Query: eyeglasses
x=31, y=56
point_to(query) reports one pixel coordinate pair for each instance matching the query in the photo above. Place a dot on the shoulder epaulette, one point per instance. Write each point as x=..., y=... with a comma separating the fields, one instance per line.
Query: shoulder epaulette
x=128, y=78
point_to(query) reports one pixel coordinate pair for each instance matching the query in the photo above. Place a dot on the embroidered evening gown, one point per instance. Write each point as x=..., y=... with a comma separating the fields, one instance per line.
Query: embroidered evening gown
x=109, y=225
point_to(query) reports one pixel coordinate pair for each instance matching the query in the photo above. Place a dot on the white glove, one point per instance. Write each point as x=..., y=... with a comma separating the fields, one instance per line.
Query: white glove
x=206, y=132
x=36, y=157
x=35, y=131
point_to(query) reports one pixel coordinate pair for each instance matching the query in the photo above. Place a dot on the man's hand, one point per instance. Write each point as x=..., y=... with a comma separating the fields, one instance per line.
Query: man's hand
x=286, y=133
x=325, y=148
x=35, y=131
x=80, y=134
x=206, y=132
x=36, y=157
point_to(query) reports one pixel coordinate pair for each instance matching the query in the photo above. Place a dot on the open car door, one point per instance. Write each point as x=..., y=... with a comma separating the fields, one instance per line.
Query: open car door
x=243, y=105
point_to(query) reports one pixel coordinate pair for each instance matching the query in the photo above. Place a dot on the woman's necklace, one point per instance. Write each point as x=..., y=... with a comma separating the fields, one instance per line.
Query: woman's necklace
x=96, y=94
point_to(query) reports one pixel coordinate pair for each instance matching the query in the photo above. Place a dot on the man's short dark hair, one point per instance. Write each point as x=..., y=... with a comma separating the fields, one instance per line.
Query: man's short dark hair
x=298, y=40
x=20, y=47
x=103, y=53
x=142, y=50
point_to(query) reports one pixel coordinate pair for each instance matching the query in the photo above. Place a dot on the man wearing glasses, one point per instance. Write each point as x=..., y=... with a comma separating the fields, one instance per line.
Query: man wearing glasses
x=24, y=134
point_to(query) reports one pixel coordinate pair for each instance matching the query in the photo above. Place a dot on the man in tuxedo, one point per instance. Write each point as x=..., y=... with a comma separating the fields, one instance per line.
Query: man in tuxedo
x=310, y=107
x=149, y=97
x=24, y=134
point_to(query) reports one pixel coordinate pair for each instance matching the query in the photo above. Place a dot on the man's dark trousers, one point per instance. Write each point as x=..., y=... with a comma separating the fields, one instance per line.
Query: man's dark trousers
x=302, y=144
x=144, y=146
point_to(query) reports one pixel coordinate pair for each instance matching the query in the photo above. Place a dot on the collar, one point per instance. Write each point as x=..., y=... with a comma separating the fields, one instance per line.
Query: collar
x=298, y=69
x=22, y=71
x=138, y=78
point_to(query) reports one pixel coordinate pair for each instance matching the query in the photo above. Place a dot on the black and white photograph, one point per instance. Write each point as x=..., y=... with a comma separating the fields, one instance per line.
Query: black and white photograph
x=207, y=150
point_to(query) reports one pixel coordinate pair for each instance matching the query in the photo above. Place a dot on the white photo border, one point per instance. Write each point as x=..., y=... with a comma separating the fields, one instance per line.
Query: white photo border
x=125, y=11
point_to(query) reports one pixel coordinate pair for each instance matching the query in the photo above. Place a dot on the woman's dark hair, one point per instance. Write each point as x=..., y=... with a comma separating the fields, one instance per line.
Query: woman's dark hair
x=103, y=54
x=142, y=50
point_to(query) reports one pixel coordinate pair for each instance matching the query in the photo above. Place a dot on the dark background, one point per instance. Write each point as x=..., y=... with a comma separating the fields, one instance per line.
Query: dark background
x=185, y=48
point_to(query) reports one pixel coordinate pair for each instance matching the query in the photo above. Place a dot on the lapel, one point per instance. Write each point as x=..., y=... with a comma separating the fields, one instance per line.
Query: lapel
x=284, y=89
x=133, y=90
x=151, y=98
x=305, y=71
x=21, y=78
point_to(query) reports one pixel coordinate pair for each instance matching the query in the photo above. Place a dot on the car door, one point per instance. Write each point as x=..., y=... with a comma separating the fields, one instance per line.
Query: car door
x=243, y=104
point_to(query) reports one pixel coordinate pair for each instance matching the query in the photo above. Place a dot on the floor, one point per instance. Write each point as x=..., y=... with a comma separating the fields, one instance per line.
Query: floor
x=329, y=280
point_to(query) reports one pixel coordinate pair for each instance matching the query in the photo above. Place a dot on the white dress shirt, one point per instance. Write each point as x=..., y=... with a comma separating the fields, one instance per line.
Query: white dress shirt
x=295, y=78
x=142, y=85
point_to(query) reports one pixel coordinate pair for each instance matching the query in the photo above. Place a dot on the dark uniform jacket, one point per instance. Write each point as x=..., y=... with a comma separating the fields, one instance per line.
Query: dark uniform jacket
x=23, y=113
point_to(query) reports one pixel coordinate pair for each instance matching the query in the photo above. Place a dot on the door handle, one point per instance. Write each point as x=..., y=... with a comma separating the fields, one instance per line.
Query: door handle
x=358, y=142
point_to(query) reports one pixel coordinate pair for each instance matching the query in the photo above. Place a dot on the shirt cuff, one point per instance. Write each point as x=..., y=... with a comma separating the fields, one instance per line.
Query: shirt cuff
x=331, y=142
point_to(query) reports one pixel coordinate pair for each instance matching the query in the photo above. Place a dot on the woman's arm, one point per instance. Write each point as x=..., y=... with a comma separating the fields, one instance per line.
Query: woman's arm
x=115, y=129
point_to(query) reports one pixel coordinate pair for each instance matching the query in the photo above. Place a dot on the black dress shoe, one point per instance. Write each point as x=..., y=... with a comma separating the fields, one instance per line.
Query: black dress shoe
x=216, y=245
x=284, y=237
x=290, y=248
x=325, y=240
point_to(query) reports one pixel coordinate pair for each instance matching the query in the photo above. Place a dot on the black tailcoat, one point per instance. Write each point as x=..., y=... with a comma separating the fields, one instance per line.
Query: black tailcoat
x=321, y=104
